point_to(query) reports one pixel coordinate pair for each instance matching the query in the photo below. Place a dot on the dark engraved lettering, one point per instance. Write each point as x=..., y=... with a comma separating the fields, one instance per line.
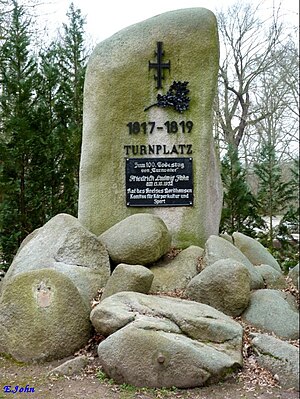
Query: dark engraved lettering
x=127, y=147
x=143, y=150
x=151, y=149
x=158, y=149
x=135, y=149
x=181, y=146
x=165, y=150
x=174, y=150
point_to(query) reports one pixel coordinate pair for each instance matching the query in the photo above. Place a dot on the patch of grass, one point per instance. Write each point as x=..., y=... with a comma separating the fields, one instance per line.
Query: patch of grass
x=128, y=387
x=127, y=390
x=102, y=377
x=6, y=357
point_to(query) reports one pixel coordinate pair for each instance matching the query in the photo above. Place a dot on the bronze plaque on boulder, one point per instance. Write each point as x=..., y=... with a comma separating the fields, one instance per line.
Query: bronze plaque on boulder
x=159, y=182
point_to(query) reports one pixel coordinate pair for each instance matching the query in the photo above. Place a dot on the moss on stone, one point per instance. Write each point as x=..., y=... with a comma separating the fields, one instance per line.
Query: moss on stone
x=45, y=316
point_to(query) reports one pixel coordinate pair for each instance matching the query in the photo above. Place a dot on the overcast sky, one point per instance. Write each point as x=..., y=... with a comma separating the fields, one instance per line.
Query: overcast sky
x=106, y=17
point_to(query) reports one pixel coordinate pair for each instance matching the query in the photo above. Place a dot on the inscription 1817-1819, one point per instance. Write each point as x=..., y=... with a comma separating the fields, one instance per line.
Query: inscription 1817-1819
x=159, y=182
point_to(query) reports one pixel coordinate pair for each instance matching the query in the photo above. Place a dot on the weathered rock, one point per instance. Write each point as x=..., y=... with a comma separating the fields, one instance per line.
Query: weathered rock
x=279, y=357
x=70, y=367
x=225, y=285
x=65, y=245
x=227, y=237
x=137, y=240
x=175, y=274
x=153, y=339
x=2, y=274
x=128, y=278
x=255, y=251
x=118, y=88
x=294, y=275
x=273, y=311
x=272, y=278
x=42, y=317
x=217, y=248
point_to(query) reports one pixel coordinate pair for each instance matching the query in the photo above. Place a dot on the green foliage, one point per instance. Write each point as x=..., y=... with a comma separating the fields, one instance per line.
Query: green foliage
x=288, y=251
x=40, y=132
x=130, y=391
x=18, y=71
x=274, y=195
x=240, y=208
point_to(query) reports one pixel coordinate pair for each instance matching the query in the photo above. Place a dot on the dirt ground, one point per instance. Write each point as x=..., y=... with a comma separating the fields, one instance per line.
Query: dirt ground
x=90, y=384
x=251, y=382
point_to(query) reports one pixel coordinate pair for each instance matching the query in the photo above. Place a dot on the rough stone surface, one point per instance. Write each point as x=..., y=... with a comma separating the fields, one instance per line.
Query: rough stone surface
x=70, y=367
x=42, y=317
x=217, y=248
x=227, y=237
x=175, y=274
x=274, y=312
x=118, y=88
x=255, y=251
x=128, y=278
x=137, y=240
x=65, y=245
x=163, y=342
x=225, y=285
x=272, y=278
x=294, y=275
x=279, y=357
x=2, y=274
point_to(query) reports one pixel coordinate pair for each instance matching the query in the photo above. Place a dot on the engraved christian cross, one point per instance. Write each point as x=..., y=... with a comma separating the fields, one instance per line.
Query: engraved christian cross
x=159, y=65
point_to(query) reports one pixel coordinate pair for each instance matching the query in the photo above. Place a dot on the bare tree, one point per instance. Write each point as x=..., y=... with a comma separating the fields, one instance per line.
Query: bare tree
x=277, y=97
x=248, y=45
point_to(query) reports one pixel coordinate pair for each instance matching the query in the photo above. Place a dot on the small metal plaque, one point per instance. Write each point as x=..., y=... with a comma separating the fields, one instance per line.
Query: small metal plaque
x=159, y=182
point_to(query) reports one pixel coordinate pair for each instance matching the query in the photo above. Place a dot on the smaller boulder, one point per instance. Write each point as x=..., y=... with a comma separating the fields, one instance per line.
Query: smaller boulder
x=63, y=244
x=158, y=341
x=70, y=367
x=274, y=312
x=128, y=278
x=225, y=285
x=139, y=239
x=279, y=357
x=175, y=274
x=255, y=251
x=272, y=278
x=294, y=275
x=42, y=317
x=217, y=248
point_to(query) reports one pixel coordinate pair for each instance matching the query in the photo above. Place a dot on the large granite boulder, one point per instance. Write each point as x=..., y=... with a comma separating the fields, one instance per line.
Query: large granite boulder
x=163, y=342
x=279, y=357
x=272, y=278
x=218, y=248
x=274, y=312
x=175, y=274
x=63, y=244
x=135, y=278
x=118, y=88
x=225, y=285
x=42, y=317
x=137, y=240
x=255, y=251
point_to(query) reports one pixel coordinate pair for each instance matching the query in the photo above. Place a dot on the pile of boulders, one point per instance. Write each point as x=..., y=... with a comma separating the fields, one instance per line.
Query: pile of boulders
x=153, y=338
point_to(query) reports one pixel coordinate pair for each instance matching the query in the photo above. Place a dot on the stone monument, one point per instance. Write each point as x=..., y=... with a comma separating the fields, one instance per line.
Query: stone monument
x=147, y=137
